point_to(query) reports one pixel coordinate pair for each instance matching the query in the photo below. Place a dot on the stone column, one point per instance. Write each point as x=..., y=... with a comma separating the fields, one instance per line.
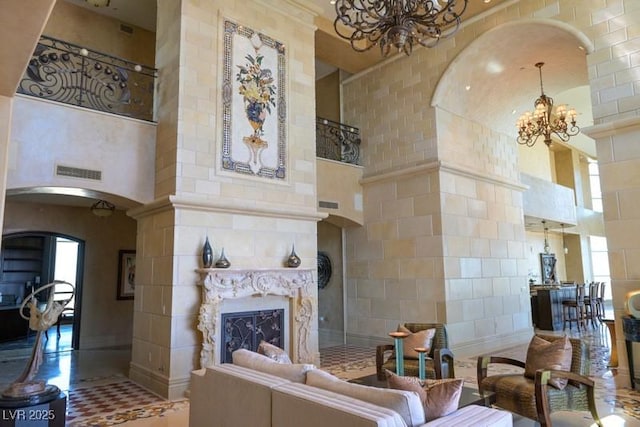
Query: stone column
x=255, y=218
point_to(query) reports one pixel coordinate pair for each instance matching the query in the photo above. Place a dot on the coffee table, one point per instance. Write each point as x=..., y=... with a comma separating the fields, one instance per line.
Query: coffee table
x=469, y=395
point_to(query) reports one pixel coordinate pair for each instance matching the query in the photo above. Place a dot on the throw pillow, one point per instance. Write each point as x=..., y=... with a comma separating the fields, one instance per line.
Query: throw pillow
x=439, y=397
x=273, y=352
x=296, y=372
x=416, y=339
x=543, y=354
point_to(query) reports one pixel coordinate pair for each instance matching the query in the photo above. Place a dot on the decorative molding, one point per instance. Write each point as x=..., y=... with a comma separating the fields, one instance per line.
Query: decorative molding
x=438, y=166
x=220, y=284
x=169, y=203
x=616, y=127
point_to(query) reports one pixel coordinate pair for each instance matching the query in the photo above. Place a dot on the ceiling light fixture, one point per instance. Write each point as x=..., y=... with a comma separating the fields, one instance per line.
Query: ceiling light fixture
x=547, y=248
x=545, y=121
x=103, y=208
x=564, y=245
x=99, y=3
x=397, y=23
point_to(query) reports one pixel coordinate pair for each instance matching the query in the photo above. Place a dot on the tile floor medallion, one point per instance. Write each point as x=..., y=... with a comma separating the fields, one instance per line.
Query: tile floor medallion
x=117, y=394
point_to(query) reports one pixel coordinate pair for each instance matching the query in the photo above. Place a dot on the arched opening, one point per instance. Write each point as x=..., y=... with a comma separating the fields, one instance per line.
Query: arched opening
x=30, y=260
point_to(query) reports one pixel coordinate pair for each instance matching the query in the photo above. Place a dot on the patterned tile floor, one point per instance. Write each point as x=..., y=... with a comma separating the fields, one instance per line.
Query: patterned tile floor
x=101, y=395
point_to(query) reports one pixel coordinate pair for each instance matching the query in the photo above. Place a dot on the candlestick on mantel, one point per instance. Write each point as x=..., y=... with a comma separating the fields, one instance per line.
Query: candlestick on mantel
x=397, y=338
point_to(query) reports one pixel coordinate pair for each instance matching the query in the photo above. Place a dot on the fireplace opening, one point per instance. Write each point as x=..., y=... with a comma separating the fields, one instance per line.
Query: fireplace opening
x=247, y=329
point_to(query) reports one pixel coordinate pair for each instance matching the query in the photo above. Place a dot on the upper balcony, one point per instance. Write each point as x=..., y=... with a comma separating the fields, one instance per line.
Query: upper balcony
x=64, y=72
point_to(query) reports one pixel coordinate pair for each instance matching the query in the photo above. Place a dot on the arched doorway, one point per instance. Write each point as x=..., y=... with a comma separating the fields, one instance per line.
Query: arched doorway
x=30, y=260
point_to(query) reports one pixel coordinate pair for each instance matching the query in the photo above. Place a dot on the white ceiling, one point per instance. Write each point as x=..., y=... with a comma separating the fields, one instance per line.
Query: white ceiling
x=136, y=12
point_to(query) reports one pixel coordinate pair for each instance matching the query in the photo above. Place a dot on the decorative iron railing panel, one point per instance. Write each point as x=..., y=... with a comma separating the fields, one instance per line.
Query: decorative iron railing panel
x=67, y=73
x=337, y=141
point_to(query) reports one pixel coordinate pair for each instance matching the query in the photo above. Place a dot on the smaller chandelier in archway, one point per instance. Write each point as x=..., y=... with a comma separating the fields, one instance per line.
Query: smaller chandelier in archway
x=397, y=23
x=545, y=121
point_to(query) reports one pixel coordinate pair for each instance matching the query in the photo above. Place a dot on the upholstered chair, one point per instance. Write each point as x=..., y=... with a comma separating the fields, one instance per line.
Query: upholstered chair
x=439, y=360
x=536, y=398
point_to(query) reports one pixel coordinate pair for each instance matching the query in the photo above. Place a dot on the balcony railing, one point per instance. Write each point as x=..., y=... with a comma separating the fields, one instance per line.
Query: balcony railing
x=337, y=141
x=67, y=73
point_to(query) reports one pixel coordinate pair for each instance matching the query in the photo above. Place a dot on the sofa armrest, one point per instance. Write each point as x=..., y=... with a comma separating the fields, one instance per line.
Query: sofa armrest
x=224, y=392
x=443, y=363
x=380, y=354
x=483, y=364
x=541, y=385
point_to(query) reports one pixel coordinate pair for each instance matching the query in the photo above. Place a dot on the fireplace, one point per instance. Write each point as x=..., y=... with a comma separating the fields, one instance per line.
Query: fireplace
x=247, y=329
x=236, y=293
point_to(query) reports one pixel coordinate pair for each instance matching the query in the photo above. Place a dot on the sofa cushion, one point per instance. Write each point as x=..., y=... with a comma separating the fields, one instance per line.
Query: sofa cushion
x=296, y=405
x=439, y=397
x=543, y=354
x=295, y=372
x=273, y=352
x=418, y=339
x=406, y=403
x=474, y=416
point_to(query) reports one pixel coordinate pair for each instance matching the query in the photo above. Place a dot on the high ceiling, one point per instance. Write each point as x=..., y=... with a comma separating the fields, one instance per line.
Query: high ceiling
x=329, y=49
x=498, y=67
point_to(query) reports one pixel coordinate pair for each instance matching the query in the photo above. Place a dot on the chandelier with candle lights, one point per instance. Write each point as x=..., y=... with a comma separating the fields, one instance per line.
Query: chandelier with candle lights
x=397, y=23
x=545, y=121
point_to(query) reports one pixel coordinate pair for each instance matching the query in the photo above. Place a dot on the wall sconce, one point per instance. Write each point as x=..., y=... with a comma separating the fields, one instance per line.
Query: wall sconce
x=102, y=208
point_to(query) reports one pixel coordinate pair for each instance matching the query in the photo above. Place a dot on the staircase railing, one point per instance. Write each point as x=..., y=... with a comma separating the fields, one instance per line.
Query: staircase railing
x=71, y=74
x=337, y=141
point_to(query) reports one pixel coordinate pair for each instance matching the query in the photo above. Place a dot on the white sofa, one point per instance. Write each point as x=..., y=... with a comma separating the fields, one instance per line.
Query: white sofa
x=230, y=395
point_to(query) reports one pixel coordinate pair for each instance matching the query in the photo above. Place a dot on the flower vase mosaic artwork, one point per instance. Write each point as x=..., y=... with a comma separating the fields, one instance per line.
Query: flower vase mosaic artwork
x=254, y=103
x=258, y=91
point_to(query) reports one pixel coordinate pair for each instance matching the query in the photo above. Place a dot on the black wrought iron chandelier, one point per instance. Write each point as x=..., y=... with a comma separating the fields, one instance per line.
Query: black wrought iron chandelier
x=545, y=121
x=397, y=23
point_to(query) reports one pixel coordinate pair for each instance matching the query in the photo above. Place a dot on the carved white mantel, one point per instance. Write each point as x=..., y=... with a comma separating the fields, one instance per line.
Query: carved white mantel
x=221, y=284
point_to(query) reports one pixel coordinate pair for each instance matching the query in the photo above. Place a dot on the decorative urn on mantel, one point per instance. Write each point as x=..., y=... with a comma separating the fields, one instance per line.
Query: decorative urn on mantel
x=294, y=260
x=207, y=254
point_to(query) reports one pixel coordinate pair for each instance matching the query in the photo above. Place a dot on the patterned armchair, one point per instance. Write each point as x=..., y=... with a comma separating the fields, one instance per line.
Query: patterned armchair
x=439, y=361
x=534, y=398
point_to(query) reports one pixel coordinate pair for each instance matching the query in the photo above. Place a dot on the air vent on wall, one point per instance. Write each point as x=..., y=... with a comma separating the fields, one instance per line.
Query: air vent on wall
x=328, y=205
x=126, y=29
x=78, y=173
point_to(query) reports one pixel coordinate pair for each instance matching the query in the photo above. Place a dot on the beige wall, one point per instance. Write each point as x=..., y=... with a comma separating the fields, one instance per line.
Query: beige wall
x=328, y=97
x=121, y=149
x=619, y=160
x=85, y=28
x=105, y=321
x=339, y=183
x=256, y=220
x=401, y=134
x=330, y=299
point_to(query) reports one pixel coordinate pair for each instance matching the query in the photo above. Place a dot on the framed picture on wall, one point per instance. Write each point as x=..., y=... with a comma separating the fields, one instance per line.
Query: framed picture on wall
x=548, y=268
x=126, y=274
